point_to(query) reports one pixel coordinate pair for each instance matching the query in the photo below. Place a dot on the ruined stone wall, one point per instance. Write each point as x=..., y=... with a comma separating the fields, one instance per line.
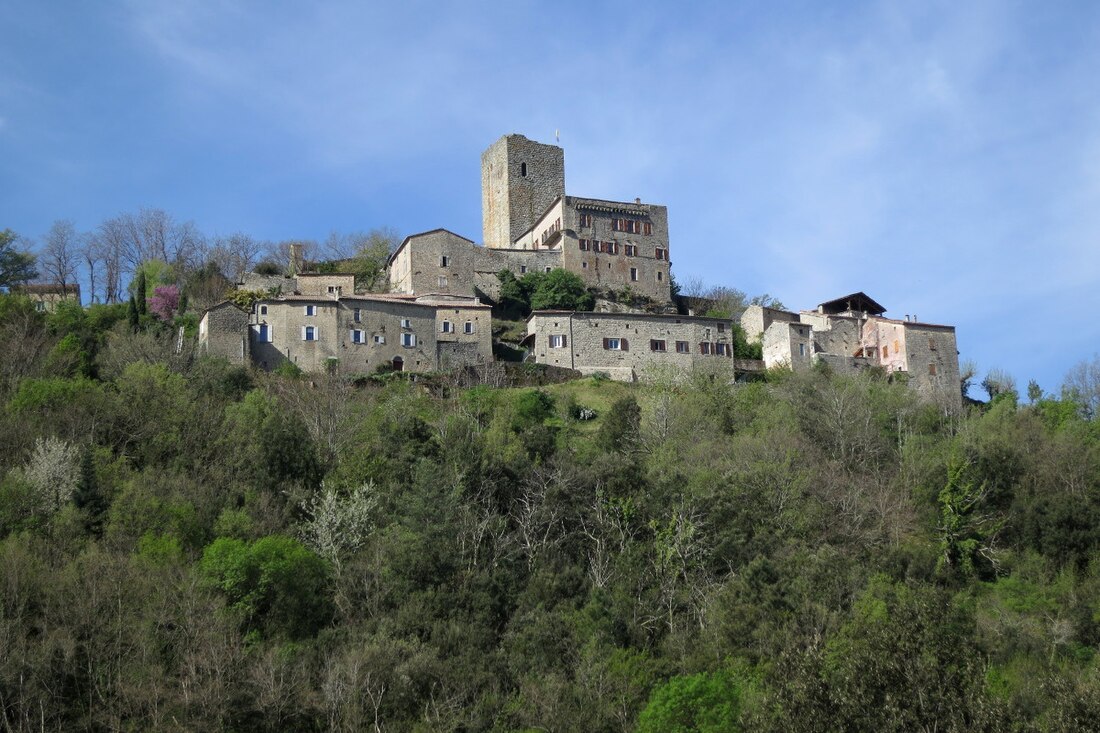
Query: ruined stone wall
x=520, y=178
x=756, y=320
x=844, y=364
x=639, y=357
x=268, y=283
x=223, y=331
x=884, y=341
x=838, y=335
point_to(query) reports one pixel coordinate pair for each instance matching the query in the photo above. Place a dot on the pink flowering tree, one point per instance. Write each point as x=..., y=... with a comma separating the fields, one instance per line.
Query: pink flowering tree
x=165, y=301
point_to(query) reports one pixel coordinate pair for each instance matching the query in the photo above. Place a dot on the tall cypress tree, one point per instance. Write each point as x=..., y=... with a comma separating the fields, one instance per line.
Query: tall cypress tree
x=139, y=293
x=87, y=497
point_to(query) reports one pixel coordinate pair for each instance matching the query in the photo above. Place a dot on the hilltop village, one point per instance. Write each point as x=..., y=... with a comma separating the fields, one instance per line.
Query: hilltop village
x=437, y=314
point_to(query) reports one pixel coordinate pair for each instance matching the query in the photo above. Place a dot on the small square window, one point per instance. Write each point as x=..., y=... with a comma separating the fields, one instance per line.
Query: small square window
x=447, y=327
x=311, y=310
x=522, y=269
x=443, y=260
x=309, y=333
x=634, y=274
x=557, y=341
x=660, y=276
x=406, y=323
x=408, y=339
x=931, y=370
x=549, y=268
x=263, y=310
x=613, y=344
x=442, y=281
x=657, y=345
x=682, y=347
x=379, y=338
x=356, y=336
x=468, y=327
x=356, y=315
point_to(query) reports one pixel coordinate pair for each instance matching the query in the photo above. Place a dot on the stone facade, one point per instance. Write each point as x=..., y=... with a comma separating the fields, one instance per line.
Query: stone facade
x=788, y=344
x=520, y=179
x=616, y=246
x=355, y=334
x=631, y=346
x=223, y=331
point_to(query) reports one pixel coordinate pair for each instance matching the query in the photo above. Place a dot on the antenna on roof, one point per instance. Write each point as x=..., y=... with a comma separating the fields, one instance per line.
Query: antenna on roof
x=557, y=136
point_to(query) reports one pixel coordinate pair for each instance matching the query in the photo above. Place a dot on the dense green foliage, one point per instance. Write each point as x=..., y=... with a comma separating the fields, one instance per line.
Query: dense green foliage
x=187, y=545
x=555, y=290
x=16, y=265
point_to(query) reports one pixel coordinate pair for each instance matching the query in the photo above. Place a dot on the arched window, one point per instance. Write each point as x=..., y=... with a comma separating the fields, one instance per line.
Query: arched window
x=523, y=169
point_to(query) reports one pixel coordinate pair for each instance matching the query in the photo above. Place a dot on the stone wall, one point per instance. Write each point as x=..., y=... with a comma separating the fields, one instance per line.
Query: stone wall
x=840, y=335
x=932, y=356
x=520, y=178
x=647, y=345
x=756, y=320
x=223, y=331
x=788, y=344
x=332, y=285
x=279, y=284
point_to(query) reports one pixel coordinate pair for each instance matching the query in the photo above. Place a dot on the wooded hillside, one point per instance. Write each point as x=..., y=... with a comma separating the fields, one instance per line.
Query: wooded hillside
x=186, y=545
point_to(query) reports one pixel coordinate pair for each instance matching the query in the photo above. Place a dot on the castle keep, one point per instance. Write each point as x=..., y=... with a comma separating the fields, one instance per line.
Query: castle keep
x=529, y=224
x=433, y=318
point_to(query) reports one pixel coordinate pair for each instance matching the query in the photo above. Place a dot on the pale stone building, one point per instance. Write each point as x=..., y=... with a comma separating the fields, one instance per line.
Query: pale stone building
x=47, y=296
x=353, y=334
x=632, y=346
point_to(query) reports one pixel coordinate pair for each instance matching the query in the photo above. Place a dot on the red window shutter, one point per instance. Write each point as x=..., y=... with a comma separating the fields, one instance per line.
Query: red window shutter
x=549, y=341
x=564, y=341
x=625, y=345
x=605, y=344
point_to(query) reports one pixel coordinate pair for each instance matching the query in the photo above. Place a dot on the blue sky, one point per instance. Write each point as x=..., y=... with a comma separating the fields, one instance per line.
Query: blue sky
x=944, y=157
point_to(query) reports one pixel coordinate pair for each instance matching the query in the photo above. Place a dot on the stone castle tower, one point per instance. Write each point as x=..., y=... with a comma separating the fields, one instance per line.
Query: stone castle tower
x=520, y=178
